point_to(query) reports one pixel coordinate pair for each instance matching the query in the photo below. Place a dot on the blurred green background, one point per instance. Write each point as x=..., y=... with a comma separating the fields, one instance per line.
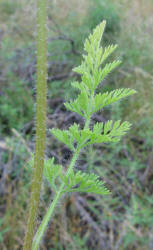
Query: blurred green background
x=123, y=220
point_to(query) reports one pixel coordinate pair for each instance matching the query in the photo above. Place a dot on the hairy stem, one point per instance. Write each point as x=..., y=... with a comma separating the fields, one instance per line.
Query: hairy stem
x=41, y=94
x=46, y=219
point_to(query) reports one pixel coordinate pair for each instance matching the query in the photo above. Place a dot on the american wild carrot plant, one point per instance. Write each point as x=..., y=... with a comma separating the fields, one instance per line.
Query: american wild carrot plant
x=76, y=138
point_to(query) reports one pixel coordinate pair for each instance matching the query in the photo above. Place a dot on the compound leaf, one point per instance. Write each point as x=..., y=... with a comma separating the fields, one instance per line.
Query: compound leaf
x=52, y=172
x=63, y=136
x=102, y=100
x=82, y=182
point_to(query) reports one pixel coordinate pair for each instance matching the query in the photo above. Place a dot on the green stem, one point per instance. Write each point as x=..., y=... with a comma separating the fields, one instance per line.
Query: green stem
x=90, y=157
x=41, y=230
x=40, y=121
x=46, y=219
x=90, y=147
x=87, y=123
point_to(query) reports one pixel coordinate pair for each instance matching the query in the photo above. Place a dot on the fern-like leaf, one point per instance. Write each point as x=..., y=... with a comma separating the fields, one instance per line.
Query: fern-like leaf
x=95, y=38
x=72, y=136
x=63, y=136
x=102, y=100
x=108, y=51
x=52, y=172
x=92, y=75
x=112, y=132
x=101, y=133
x=108, y=132
x=108, y=68
x=80, y=105
x=82, y=182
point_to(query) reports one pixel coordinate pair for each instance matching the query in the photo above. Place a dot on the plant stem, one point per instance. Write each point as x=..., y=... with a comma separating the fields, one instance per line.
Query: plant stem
x=41, y=230
x=46, y=219
x=41, y=94
x=90, y=156
x=87, y=123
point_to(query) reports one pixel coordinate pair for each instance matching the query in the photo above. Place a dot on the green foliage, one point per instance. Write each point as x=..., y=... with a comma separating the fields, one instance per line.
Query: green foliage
x=112, y=131
x=109, y=132
x=90, y=71
x=85, y=105
x=76, y=138
x=82, y=182
x=92, y=75
x=51, y=172
x=102, y=100
x=75, y=182
x=74, y=134
x=63, y=136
